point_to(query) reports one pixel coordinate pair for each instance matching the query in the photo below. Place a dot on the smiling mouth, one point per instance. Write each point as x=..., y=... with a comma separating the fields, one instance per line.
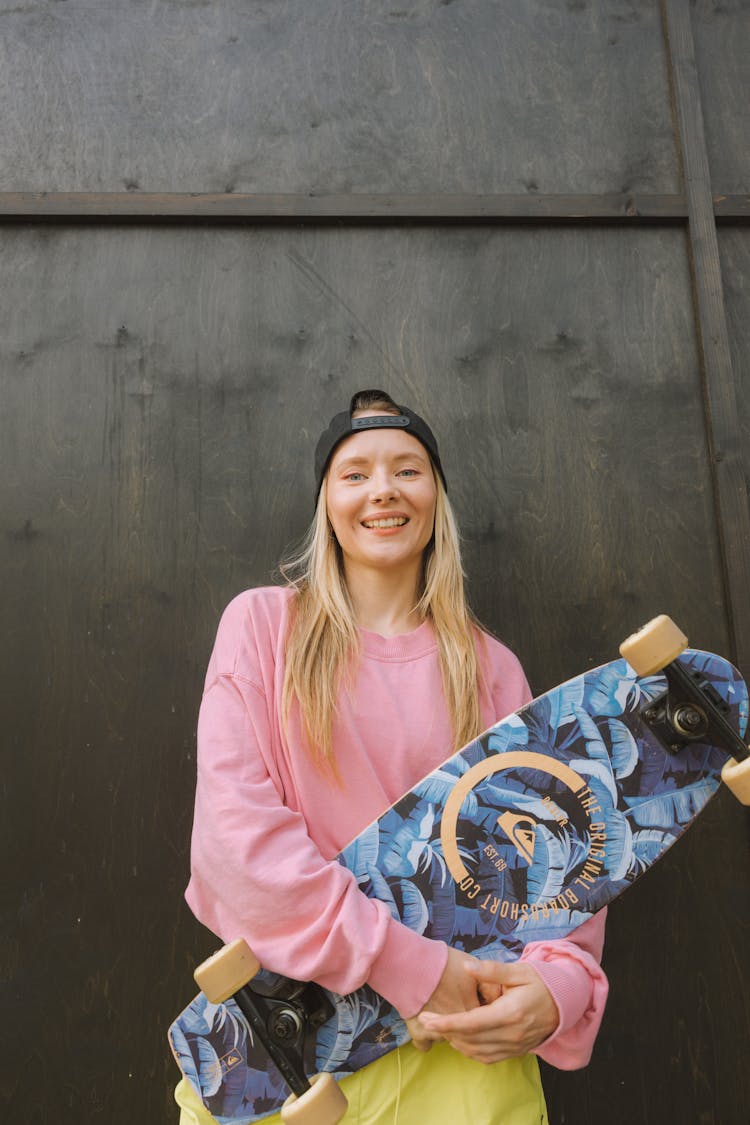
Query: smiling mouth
x=394, y=521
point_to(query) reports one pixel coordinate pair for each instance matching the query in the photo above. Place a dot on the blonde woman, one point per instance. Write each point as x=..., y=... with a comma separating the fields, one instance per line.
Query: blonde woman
x=325, y=701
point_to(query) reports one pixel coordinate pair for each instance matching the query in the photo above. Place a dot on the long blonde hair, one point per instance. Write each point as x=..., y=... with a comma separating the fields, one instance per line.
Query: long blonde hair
x=323, y=643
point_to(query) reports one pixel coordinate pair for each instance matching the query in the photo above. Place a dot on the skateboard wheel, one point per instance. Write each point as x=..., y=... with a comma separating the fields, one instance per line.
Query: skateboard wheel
x=323, y=1104
x=654, y=646
x=227, y=971
x=736, y=777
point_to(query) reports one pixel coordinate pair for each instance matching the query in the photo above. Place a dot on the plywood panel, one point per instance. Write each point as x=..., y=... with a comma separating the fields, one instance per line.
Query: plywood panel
x=162, y=391
x=429, y=95
x=734, y=250
x=722, y=46
x=514, y=336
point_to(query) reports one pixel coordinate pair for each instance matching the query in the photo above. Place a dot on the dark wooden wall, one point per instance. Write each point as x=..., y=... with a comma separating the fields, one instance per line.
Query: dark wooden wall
x=526, y=219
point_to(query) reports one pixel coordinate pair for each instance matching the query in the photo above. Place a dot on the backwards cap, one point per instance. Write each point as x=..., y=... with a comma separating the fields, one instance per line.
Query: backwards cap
x=342, y=425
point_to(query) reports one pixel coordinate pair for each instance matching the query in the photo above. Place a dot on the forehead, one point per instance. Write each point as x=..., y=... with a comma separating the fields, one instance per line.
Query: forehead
x=368, y=445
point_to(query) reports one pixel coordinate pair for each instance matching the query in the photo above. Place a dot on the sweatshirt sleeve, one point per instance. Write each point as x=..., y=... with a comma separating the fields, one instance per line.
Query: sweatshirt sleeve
x=571, y=971
x=256, y=873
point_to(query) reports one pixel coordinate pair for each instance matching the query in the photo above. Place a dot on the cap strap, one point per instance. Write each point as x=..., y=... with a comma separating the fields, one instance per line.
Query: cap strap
x=381, y=421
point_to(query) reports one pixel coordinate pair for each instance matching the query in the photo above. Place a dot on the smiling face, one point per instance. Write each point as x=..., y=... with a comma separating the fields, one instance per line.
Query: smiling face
x=380, y=494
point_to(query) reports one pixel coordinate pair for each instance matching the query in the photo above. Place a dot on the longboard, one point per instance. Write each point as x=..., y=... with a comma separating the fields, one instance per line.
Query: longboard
x=519, y=837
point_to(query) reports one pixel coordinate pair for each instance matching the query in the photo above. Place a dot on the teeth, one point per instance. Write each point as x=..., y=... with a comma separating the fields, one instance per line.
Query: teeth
x=397, y=521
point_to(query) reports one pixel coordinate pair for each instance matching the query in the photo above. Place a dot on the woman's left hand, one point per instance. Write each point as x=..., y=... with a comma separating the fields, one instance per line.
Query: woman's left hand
x=517, y=1015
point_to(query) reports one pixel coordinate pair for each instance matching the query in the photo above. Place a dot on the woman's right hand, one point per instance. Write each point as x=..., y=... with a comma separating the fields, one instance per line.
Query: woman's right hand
x=457, y=991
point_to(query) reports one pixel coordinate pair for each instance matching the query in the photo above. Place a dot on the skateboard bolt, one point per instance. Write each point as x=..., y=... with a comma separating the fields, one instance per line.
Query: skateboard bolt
x=286, y=1025
x=690, y=720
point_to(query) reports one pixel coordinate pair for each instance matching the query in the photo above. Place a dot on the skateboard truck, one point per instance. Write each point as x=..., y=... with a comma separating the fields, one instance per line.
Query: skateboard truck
x=281, y=1012
x=690, y=710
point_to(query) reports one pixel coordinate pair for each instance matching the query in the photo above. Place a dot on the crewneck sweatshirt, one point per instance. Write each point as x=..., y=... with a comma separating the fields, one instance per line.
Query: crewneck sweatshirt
x=269, y=821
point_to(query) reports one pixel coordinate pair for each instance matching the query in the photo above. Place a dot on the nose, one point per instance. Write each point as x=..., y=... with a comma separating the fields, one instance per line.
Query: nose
x=383, y=487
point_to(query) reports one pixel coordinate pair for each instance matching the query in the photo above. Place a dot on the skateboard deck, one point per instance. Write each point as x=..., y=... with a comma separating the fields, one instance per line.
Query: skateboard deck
x=519, y=837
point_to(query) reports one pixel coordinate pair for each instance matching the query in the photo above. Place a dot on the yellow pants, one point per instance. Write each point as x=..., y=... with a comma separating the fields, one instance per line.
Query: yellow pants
x=407, y=1087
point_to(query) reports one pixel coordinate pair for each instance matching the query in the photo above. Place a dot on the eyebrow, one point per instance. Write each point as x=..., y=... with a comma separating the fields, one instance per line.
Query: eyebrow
x=347, y=461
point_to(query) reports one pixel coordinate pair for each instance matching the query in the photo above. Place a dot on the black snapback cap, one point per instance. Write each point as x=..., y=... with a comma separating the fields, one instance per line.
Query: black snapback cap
x=342, y=425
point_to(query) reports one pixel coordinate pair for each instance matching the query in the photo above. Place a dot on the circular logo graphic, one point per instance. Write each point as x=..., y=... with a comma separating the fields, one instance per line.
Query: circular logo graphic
x=520, y=829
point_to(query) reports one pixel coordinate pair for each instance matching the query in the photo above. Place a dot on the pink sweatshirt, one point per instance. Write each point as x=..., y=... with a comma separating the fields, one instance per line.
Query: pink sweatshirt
x=268, y=822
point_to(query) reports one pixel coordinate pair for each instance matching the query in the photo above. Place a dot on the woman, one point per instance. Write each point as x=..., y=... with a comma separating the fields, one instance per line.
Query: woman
x=325, y=701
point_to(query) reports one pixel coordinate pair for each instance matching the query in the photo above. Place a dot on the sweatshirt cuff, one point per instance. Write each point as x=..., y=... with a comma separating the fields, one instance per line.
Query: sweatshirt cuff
x=408, y=969
x=570, y=987
x=579, y=989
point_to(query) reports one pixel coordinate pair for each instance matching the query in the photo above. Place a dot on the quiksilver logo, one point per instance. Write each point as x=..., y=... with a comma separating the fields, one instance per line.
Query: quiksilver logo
x=521, y=831
x=230, y=1061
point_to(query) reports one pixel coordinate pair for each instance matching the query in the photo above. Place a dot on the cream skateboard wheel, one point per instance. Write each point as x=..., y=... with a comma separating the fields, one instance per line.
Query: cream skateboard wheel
x=323, y=1104
x=736, y=777
x=227, y=971
x=654, y=646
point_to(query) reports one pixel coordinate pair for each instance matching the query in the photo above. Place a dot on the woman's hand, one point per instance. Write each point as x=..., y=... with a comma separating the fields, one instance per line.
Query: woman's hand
x=517, y=1013
x=457, y=991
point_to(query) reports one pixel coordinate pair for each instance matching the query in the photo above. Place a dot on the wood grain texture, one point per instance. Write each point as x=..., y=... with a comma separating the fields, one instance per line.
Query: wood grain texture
x=721, y=34
x=162, y=391
x=732, y=208
x=734, y=251
x=191, y=208
x=720, y=384
x=375, y=96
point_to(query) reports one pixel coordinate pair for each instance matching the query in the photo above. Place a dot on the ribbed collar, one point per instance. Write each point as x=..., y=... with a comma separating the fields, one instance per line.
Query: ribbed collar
x=405, y=646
